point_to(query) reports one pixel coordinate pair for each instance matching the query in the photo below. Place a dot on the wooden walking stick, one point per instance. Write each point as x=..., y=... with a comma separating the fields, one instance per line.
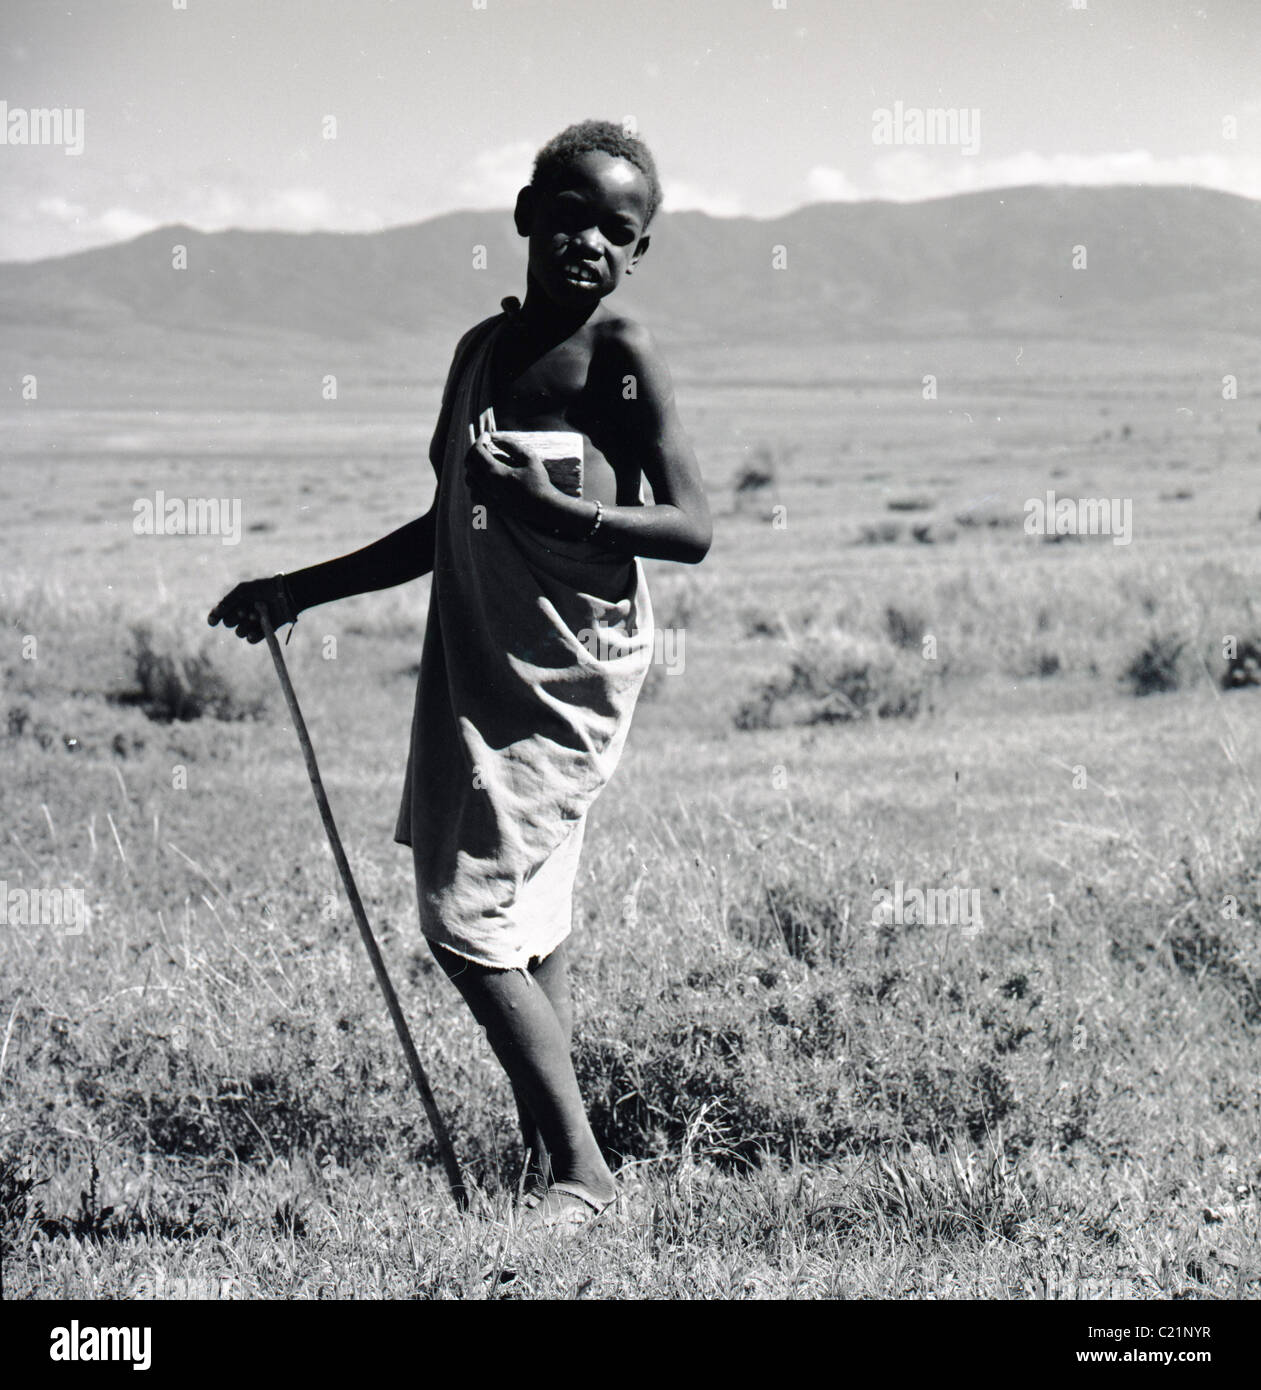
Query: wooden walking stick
x=449, y=1161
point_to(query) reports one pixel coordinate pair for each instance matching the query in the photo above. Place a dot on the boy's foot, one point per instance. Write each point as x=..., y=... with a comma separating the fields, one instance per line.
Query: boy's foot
x=533, y=1184
x=561, y=1204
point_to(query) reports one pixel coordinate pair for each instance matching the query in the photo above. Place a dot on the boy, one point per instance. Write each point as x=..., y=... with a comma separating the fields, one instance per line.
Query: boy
x=518, y=722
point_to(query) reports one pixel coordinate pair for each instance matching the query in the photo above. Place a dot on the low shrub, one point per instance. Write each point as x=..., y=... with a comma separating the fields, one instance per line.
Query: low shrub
x=1159, y=665
x=173, y=683
x=840, y=678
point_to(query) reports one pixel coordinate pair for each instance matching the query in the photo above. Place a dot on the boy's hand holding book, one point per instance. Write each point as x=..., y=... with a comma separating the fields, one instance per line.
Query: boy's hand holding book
x=512, y=475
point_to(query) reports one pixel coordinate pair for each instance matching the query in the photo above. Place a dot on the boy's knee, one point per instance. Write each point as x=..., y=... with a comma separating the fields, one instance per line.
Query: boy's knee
x=450, y=962
x=487, y=989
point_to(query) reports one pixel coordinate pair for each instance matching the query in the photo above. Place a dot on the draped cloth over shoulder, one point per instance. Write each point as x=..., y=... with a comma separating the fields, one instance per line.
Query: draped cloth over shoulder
x=528, y=680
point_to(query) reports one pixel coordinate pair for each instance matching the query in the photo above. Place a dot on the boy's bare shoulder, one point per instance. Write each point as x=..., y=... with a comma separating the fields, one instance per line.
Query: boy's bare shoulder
x=462, y=346
x=621, y=333
x=474, y=332
x=626, y=345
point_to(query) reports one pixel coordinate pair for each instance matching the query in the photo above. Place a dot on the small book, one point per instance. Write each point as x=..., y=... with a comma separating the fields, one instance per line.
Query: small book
x=562, y=455
x=561, y=450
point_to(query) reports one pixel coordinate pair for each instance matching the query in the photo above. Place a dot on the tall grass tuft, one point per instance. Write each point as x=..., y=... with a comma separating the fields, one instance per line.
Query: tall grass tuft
x=174, y=682
x=1158, y=666
x=840, y=678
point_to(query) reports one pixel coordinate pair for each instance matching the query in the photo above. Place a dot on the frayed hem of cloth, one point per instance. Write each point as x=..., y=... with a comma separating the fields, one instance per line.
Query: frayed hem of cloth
x=539, y=956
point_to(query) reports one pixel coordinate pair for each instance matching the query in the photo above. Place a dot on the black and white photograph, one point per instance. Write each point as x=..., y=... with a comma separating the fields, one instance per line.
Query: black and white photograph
x=630, y=642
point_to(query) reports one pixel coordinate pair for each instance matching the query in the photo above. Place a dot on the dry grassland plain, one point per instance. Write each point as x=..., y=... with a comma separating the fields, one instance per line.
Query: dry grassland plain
x=880, y=684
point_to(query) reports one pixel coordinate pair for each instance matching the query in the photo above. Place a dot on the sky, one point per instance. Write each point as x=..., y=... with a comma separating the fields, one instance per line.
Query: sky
x=214, y=113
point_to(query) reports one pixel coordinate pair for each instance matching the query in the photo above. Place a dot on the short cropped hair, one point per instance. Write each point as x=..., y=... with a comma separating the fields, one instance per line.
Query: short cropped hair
x=607, y=137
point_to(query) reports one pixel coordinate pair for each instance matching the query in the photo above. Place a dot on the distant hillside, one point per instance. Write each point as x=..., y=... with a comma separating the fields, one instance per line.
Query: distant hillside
x=257, y=306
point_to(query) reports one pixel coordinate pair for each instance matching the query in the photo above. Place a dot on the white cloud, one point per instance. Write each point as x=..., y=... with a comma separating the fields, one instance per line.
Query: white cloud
x=212, y=208
x=303, y=210
x=906, y=175
x=120, y=224
x=114, y=224
x=677, y=195
x=60, y=209
x=827, y=185
x=494, y=177
x=53, y=225
x=305, y=207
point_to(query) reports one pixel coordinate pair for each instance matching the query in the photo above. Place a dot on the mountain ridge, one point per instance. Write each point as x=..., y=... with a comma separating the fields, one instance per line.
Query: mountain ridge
x=1161, y=260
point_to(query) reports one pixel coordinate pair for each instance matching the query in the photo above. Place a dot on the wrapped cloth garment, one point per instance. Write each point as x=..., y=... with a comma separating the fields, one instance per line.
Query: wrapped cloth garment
x=528, y=681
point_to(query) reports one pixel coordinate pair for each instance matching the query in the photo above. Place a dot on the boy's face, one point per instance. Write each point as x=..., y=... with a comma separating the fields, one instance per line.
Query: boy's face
x=587, y=229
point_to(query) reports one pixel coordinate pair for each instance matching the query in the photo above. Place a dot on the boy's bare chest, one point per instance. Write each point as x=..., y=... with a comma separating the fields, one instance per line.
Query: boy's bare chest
x=560, y=390
x=550, y=391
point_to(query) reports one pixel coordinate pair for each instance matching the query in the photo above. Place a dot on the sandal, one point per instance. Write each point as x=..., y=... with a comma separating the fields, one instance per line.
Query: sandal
x=561, y=1204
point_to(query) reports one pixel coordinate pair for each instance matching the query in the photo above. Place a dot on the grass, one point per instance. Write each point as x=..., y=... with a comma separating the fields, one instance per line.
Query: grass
x=804, y=1103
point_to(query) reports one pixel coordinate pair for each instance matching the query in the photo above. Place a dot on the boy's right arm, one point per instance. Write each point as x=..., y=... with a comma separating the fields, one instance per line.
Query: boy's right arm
x=402, y=555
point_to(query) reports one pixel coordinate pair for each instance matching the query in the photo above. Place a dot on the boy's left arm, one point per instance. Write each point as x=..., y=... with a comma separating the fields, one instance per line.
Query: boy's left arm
x=645, y=432
x=640, y=430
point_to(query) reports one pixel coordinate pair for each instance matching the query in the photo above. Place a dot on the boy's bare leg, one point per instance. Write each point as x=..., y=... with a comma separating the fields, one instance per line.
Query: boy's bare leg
x=532, y=1044
x=552, y=974
x=539, y=1161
